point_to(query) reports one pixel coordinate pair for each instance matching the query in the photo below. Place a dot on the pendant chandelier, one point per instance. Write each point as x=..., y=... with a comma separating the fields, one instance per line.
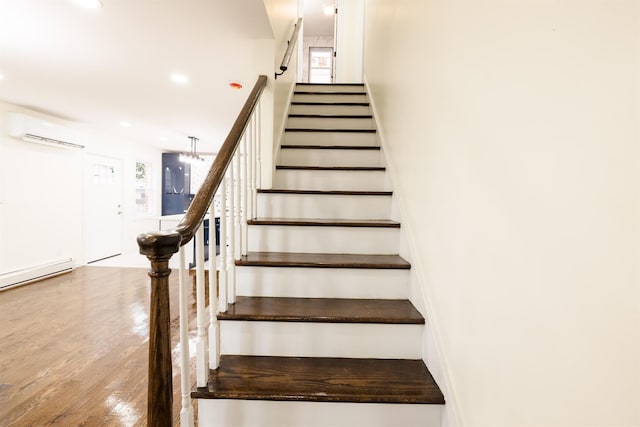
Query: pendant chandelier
x=191, y=156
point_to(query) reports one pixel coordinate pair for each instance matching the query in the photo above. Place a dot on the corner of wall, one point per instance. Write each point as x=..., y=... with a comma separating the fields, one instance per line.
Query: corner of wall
x=432, y=350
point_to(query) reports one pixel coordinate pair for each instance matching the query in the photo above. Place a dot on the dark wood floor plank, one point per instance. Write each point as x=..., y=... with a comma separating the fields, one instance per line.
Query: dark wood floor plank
x=326, y=310
x=294, y=259
x=376, y=223
x=322, y=379
x=74, y=349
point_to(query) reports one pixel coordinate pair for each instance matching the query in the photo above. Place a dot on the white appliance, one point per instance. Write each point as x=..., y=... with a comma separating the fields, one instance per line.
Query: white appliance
x=40, y=131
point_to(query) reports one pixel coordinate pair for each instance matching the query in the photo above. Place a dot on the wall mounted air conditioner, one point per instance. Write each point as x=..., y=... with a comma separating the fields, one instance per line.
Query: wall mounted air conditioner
x=41, y=131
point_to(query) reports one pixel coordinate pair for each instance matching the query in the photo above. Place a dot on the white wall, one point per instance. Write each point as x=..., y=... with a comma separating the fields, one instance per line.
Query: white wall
x=42, y=197
x=512, y=130
x=283, y=15
x=41, y=210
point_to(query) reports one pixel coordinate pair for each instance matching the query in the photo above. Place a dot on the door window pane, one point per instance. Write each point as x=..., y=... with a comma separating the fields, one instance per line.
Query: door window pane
x=320, y=64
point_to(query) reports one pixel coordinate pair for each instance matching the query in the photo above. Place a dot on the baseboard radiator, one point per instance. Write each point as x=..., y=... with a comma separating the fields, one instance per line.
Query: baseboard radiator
x=31, y=274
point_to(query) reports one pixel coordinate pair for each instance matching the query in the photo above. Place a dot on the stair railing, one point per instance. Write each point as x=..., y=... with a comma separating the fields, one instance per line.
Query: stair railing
x=284, y=65
x=234, y=176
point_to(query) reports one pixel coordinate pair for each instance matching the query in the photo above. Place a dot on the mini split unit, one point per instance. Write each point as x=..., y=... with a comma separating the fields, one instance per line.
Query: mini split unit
x=41, y=131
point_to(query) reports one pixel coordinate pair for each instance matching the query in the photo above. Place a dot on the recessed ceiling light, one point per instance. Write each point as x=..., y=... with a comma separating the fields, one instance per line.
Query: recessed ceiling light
x=1, y=77
x=180, y=79
x=125, y=124
x=89, y=4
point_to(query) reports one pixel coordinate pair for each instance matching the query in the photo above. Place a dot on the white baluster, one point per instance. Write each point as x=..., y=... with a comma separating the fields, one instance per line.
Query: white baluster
x=231, y=265
x=214, y=331
x=243, y=194
x=237, y=249
x=258, y=151
x=186, y=411
x=222, y=300
x=252, y=166
x=201, y=315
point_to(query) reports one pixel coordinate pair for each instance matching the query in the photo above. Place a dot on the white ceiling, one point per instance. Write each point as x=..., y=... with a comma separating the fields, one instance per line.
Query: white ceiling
x=316, y=23
x=102, y=67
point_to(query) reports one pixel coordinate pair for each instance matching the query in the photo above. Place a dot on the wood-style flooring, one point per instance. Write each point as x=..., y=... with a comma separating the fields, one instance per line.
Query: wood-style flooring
x=73, y=349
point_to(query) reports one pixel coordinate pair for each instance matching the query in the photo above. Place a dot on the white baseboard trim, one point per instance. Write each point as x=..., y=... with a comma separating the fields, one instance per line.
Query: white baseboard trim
x=32, y=274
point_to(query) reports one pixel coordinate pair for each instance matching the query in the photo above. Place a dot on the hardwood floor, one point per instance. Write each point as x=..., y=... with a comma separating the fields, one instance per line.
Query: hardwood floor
x=73, y=349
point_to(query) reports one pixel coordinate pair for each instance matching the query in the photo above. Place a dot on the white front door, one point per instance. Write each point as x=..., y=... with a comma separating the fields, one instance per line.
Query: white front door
x=103, y=207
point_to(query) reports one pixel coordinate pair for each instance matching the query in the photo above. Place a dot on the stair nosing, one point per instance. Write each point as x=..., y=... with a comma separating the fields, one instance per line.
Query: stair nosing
x=332, y=116
x=325, y=192
x=333, y=168
x=330, y=130
x=330, y=147
x=329, y=103
x=315, y=260
x=299, y=92
x=325, y=223
x=255, y=310
x=310, y=373
x=329, y=84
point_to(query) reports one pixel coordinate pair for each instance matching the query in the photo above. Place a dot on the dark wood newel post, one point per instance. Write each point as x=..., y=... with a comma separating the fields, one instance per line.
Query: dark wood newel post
x=159, y=247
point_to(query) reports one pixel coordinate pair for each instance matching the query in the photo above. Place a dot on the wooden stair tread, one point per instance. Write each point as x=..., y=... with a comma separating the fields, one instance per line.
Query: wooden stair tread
x=379, y=223
x=358, y=104
x=328, y=92
x=325, y=192
x=332, y=116
x=325, y=310
x=321, y=380
x=333, y=168
x=330, y=147
x=330, y=130
x=329, y=84
x=321, y=260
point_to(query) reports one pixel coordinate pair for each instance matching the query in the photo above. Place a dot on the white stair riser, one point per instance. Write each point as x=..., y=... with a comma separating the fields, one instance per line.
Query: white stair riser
x=329, y=123
x=265, y=413
x=329, y=138
x=314, y=339
x=330, y=88
x=325, y=239
x=302, y=97
x=298, y=282
x=329, y=157
x=278, y=205
x=329, y=109
x=326, y=180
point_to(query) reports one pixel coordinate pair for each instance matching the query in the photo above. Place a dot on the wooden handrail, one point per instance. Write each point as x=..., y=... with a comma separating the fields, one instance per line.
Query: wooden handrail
x=291, y=44
x=198, y=208
x=159, y=246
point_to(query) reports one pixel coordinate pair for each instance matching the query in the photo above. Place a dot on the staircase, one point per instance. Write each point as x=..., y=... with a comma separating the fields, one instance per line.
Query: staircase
x=322, y=332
